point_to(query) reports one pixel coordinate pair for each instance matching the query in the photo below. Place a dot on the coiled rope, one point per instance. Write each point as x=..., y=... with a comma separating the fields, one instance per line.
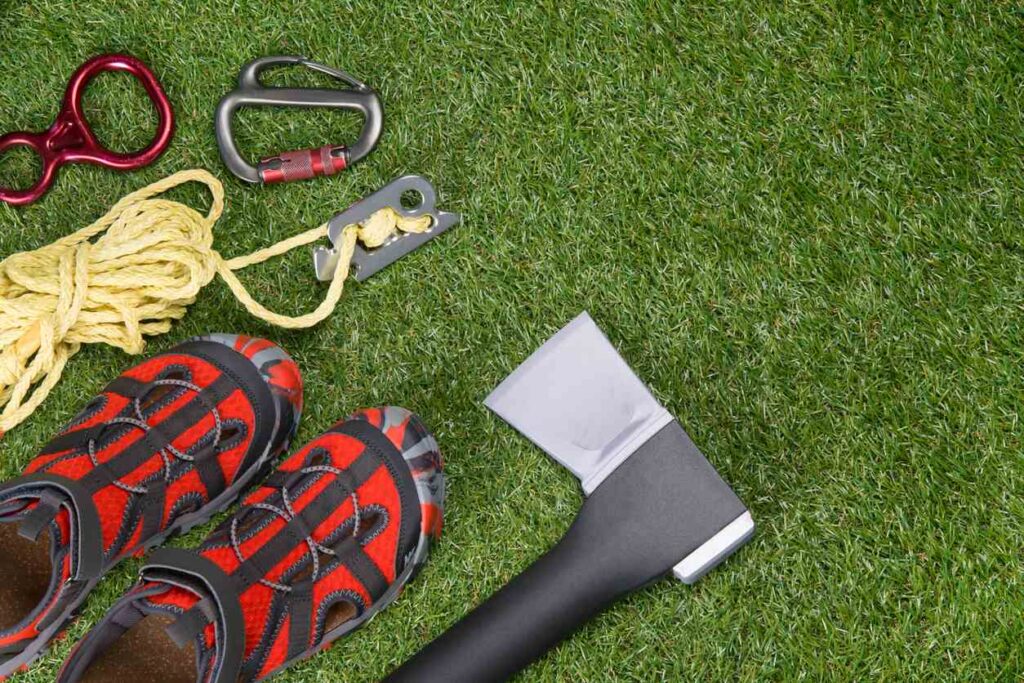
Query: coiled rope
x=128, y=276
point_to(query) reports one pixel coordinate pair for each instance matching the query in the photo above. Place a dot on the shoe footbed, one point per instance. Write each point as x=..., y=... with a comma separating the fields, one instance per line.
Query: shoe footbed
x=144, y=653
x=25, y=567
x=339, y=613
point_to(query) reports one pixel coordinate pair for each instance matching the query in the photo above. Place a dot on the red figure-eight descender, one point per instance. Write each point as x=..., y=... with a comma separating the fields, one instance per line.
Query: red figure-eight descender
x=70, y=140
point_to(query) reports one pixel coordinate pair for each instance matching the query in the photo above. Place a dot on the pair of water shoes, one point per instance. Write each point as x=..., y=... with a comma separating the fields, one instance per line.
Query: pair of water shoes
x=321, y=544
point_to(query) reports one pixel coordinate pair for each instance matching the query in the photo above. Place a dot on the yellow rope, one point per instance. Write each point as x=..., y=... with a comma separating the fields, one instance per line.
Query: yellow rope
x=127, y=276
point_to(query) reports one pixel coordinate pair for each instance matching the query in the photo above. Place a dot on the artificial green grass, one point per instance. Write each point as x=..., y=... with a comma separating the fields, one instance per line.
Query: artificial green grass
x=799, y=221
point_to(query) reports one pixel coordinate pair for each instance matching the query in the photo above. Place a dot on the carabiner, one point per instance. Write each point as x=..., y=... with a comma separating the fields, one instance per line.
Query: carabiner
x=70, y=140
x=304, y=163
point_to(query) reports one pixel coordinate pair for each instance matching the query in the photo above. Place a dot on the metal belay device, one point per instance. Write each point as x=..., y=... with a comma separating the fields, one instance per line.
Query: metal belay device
x=655, y=506
x=304, y=163
x=365, y=261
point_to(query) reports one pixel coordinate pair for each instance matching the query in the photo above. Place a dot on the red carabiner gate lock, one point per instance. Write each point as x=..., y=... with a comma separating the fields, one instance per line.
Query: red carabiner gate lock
x=70, y=140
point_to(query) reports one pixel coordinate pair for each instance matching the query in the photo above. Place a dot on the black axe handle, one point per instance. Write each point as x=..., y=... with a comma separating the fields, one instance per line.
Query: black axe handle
x=658, y=506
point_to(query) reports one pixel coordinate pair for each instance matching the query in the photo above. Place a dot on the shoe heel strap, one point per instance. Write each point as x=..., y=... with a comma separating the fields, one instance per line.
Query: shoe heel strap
x=86, y=541
x=219, y=587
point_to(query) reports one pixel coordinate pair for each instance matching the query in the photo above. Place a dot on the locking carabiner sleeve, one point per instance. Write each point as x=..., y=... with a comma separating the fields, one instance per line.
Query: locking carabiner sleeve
x=304, y=163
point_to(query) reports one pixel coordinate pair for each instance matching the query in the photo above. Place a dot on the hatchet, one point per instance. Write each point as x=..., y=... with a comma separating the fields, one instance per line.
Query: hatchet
x=654, y=506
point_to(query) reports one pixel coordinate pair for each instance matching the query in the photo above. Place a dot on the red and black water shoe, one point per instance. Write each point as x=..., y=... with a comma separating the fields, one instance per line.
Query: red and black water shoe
x=328, y=541
x=166, y=445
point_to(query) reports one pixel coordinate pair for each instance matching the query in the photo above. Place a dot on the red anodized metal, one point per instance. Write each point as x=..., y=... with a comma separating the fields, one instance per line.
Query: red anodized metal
x=70, y=140
x=303, y=163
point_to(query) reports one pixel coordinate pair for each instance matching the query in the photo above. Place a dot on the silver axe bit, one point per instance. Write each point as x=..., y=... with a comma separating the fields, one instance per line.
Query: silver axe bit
x=654, y=506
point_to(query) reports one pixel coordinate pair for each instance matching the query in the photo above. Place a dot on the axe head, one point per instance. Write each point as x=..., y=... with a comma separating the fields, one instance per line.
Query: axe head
x=578, y=400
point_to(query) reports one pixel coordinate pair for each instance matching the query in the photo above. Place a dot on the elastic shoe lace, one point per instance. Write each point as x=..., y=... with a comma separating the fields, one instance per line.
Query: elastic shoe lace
x=287, y=513
x=168, y=451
